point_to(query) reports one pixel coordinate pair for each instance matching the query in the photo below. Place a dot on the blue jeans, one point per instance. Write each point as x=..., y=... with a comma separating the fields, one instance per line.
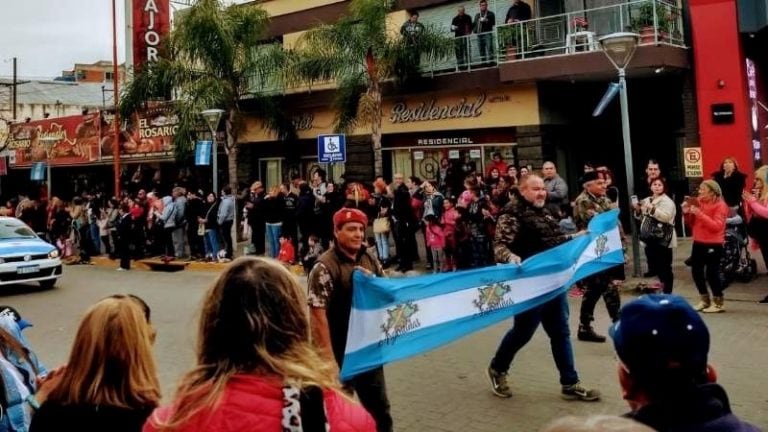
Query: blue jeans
x=211, y=240
x=553, y=315
x=382, y=245
x=273, y=238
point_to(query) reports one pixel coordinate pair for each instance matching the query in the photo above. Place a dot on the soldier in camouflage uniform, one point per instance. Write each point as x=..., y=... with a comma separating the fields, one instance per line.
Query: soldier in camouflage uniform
x=591, y=201
x=524, y=228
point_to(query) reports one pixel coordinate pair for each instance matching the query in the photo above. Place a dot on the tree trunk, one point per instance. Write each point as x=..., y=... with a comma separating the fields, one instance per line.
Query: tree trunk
x=375, y=94
x=232, y=173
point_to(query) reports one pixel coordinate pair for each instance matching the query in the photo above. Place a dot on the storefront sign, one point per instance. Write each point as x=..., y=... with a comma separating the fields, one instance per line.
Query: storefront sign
x=694, y=167
x=755, y=115
x=303, y=121
x=70, y=140
x=402, y=112
x=444, y=141
x=451, y=138
x=149, y=135
x=151, y=24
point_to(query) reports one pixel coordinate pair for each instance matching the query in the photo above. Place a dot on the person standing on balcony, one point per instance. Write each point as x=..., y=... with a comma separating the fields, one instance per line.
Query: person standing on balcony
x=412, y=28
x=461, y=25
x=484, y=23
x=519, y=11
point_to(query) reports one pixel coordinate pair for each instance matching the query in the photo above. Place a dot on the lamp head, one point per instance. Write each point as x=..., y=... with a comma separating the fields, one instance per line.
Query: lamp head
x=212, y=117
x=619, y=47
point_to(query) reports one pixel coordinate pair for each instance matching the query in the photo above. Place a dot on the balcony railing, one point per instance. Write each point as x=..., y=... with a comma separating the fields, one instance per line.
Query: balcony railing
x=657, y=22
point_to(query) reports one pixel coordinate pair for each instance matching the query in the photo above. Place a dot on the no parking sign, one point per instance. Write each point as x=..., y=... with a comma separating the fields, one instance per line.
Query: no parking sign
x=694, y=167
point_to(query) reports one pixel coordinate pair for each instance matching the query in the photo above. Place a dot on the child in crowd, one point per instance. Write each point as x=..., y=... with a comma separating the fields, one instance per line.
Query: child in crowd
x=287, y=254
x=314, y=250
x=448, y=220
x=436, y=242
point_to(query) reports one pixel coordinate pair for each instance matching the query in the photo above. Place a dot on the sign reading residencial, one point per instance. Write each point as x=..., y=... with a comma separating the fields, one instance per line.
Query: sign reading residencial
x=331, y=148
x=694, y=167
x=430, y=110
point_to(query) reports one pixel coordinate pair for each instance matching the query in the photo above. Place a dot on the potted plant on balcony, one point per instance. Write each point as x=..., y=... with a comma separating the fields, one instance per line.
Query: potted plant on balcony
x=509, y=37
x=643, y=22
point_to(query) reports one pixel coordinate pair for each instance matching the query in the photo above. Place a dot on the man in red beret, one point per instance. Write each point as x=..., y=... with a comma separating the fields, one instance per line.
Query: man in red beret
x=330, y=302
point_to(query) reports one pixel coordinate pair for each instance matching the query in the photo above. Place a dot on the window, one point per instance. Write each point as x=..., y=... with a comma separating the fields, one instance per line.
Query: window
x=108, y=76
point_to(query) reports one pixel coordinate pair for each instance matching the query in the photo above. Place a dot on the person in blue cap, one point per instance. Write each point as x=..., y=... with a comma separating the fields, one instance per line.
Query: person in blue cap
x=662, y=344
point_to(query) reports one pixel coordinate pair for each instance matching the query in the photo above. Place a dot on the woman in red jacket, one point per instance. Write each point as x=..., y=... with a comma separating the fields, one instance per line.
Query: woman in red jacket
x=256, y=367
x=707, y=215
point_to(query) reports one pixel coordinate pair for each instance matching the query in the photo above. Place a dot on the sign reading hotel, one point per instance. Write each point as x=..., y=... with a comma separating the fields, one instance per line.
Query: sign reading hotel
x=151, y=24
x=694, y=167
x=149, y=135
x=70, y=140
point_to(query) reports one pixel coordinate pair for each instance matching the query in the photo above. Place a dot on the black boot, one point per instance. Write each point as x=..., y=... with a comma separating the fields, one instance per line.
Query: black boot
x=587, y=334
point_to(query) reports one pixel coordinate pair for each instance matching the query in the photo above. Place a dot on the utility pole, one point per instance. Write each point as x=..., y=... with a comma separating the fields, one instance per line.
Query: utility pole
x=14, y=89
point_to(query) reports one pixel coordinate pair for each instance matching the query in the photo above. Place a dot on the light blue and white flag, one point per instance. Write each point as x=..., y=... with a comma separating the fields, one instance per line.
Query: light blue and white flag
x=203, y=153
x=393, y=319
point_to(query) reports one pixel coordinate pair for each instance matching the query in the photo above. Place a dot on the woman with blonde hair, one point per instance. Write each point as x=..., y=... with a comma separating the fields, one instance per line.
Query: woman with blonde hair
x=256, y=367
x=110, y=381
x=707, y=214
x=756, y=204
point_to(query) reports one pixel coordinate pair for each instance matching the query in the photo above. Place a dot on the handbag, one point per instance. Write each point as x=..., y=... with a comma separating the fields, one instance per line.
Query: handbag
x=654, y=231
x=381, y=225
x=201, y=229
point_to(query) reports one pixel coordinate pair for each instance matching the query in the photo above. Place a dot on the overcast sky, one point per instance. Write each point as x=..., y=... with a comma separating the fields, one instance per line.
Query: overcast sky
x=48, y=36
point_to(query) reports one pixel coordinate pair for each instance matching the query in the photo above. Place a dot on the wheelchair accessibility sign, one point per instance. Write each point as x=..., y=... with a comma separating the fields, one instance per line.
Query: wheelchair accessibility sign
x=331, y=148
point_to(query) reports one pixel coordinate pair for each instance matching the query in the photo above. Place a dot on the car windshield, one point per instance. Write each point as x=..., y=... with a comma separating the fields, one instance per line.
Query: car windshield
x=13, y=229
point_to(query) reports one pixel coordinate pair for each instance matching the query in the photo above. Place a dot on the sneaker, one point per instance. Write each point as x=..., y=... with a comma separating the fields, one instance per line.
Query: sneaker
x=122, y=269
x=587, y=334
x=579, y=392
x=498, y=381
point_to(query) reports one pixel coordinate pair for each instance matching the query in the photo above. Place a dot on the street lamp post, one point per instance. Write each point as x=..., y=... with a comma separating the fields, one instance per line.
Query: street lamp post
x=619, y=48
x=212, y=117
x=48, y=142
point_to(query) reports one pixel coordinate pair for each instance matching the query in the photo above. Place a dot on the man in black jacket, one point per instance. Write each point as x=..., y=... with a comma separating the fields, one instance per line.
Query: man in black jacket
x=524, y=228
x=461, y=25
x=484, y=23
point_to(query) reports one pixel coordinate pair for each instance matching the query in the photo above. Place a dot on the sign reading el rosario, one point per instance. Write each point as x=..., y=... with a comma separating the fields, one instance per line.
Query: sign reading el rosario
x=89, y=138
x=62, y=141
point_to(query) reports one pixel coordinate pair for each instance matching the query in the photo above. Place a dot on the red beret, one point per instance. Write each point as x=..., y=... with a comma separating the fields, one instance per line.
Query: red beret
x=347, y=215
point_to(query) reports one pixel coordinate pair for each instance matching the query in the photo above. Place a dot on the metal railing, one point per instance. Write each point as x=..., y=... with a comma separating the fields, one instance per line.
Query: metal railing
x=657, y=22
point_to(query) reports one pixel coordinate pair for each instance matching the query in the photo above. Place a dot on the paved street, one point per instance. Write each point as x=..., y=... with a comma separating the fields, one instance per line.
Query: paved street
x=444, y=390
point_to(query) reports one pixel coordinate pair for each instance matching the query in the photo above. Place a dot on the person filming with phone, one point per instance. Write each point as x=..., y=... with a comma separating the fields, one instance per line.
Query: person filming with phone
x=706, y=214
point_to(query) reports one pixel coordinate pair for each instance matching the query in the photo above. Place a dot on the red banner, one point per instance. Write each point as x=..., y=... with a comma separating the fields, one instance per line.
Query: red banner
x=61, y=141
x=149, y=135
x=151, y=24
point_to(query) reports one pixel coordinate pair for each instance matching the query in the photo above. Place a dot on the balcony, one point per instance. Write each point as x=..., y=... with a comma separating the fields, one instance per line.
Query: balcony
x=658, y=22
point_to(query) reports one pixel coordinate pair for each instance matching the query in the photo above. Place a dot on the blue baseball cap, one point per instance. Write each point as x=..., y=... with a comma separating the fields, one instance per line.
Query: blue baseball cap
x=660, y=332
x=13, y=313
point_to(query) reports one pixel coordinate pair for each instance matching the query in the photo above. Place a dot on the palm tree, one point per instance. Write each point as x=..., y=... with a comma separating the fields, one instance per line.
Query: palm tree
x=361, y=54
x=215, y=58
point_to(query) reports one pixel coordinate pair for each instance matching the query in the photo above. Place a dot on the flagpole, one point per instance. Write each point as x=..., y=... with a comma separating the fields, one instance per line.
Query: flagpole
x=116, y=98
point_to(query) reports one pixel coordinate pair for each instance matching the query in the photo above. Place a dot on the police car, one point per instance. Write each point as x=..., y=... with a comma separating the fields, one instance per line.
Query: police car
x=25, y=257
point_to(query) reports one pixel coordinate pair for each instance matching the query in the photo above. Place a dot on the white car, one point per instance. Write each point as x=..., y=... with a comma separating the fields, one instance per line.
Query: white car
x=25, y=257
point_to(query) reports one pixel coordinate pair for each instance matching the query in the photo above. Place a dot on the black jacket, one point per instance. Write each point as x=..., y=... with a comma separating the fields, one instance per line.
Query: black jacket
x=732, y=186
x=705, y=409
x=88, y=418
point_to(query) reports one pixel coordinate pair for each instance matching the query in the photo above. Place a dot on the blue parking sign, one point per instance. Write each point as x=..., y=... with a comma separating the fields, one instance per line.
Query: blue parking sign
x=331, y=148
x=38, y=171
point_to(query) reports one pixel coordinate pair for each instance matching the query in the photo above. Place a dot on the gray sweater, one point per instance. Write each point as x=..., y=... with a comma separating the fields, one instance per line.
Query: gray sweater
x=226, y=209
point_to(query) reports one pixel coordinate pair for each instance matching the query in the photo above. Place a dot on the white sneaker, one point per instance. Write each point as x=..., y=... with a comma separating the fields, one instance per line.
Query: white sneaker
x=121, y=269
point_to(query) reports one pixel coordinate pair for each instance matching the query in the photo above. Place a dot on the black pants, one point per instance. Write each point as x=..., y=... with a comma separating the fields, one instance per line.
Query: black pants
x=705, y=267
x=168, y=249
x=660, y=264
x=85, y=243
x=196, y=247
x=371, y=389
x=460, y=48
x=123, y=247
x=226, y=236
x=258, y=233
x=597, y=286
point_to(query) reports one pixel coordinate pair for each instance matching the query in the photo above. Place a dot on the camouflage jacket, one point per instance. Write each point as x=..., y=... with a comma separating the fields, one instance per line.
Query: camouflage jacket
x=588, y=205
x=525, y=230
